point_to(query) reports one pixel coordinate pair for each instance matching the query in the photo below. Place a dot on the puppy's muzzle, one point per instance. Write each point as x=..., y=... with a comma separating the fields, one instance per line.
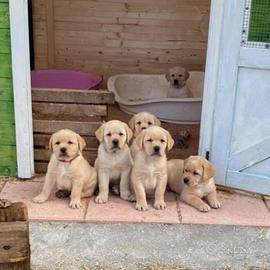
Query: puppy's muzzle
x=63, y=151
x=115, y=143
x=186, y=180
x=156, y=150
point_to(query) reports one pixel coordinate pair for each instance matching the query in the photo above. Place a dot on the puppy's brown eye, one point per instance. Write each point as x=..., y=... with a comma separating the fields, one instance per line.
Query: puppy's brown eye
x=195, y=173
x=57, y=143
x=163, y=141
x=109, y=134
x=149, y=140
x=70, y=142
x=180, y=75
x=121, y=134
x=149, y=123
x=138, y=123
x=173, y=75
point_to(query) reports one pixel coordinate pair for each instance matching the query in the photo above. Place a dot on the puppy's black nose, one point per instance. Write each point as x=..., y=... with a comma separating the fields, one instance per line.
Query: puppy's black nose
x=156, y=148
x=63, y=150
x=175, y=81
x=115, y=142
x=143, y=128
x=186, y=180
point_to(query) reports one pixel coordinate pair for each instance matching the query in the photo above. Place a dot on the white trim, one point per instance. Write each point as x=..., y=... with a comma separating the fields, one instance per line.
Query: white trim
x=22, y=86
x=211, y=75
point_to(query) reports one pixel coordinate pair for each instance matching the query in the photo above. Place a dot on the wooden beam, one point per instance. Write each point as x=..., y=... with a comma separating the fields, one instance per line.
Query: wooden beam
x=50, y=32
x=73, y=96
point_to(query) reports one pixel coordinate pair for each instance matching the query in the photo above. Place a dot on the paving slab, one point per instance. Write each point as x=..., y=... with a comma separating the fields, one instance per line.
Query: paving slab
x=2, y=185
x=52, y=210
x=236, y=209
x=118, y=211
x=267, y=202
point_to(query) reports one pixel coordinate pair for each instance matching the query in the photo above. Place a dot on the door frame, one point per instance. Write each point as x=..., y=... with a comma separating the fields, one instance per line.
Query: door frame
x=18, y=10
x=22, y=84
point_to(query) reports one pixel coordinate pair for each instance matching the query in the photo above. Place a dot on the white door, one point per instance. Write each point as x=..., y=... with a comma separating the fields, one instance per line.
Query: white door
x=240, y=138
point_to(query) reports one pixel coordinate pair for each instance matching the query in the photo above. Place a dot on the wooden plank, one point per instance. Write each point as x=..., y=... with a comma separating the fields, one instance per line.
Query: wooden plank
x=73, y=96
x=5, y=41
x=15, y=212
x=44, y=155
x=5, y=65
x=7, y=134
x=46, y=110
x=4, y=15
x=7, y=112
x=8, y=171
x=49, y=127
x=42, y=140
x=6, y=92
x=50, y=32
x=8, y=155
x=14, y=242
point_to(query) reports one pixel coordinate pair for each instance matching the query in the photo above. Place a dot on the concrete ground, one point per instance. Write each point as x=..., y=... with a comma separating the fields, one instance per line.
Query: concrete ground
x=73, y=246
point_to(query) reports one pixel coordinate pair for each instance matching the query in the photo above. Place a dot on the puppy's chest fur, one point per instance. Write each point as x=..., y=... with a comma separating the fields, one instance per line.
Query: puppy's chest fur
x=205, y=189
x=181, y=92
x=64, y=176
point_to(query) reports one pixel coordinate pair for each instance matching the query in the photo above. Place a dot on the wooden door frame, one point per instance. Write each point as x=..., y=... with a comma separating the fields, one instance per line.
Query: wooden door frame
x=18, y=10
x=225, y=74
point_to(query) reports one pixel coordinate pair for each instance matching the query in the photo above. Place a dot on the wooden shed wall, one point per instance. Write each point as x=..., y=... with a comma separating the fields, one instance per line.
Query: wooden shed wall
x=116, y=36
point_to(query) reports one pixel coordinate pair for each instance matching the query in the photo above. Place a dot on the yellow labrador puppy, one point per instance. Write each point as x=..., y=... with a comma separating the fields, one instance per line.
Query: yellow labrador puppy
x=139, y=122
x=149, y=173
x=114, y=161
x=178, y=77
x=193, y=179
x=68, y=169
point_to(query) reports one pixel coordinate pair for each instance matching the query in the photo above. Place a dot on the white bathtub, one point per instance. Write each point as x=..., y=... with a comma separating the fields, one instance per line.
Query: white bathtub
x=140, y=92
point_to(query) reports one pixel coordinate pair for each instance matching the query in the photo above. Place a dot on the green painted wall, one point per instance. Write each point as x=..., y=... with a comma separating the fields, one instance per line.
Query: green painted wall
x=8, y=163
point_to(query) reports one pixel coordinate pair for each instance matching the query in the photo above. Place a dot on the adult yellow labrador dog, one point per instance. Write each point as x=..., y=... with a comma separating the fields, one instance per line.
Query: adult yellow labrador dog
x=114, y=161
x=193, y=180
x=68, y=169
x=149, y=173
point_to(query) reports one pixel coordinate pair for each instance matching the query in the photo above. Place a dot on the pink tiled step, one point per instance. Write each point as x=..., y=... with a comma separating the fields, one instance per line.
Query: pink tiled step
x=235, y=210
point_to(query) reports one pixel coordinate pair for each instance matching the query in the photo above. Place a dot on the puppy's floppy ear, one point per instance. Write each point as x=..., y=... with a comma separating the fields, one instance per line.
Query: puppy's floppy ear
x=100, y=133
x=187, y=75
x=170, y=141
x=168, y=77
x=208, y=169
x=131, y=123
x=129, y=133
x=139, y=139
x=157, y=122
x=51, y=143
x=81, y=142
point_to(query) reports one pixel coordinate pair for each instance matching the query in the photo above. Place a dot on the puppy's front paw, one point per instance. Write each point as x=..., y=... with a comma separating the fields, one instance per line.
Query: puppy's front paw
x=141, y=207
x=215, y=204
x=40, y=199
x=204, y=207
x=160, y=205
x=125, y=195
x=75, y=204
x=101, y=198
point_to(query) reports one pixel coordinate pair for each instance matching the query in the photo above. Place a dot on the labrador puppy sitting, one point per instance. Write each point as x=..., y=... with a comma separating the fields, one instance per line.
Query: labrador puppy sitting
x=114, y=160
x=149, y=173
x=68, y=169
x=193, y=179
x=177, y=78
x=139, y=122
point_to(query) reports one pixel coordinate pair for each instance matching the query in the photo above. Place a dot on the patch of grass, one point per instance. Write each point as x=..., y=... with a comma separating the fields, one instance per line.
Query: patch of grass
x=259, y=29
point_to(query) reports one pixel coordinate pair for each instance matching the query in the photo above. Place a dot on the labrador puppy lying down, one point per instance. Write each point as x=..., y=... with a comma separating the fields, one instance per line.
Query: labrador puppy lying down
x=68, y=169
x=193, y=179
x=139, y=122
x=149, y=173
x=114, y=160
x=177, y=78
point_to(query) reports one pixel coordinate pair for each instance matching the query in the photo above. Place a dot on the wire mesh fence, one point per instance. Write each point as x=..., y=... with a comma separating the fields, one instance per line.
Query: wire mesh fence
x=256, y=27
